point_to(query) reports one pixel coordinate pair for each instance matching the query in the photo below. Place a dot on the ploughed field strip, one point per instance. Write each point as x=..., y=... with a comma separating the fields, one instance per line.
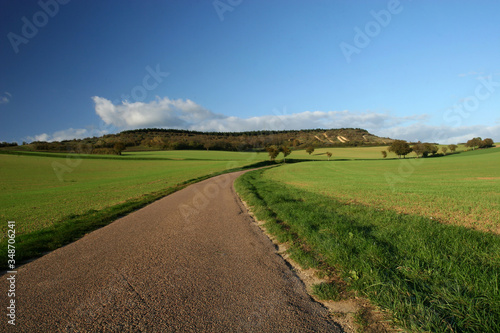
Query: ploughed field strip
x=192, y=261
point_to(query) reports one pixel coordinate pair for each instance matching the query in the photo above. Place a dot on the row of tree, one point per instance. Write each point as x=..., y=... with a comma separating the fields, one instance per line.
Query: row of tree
x=274, y=151
x=8, y=144
x=479, y=143
x=403, y=148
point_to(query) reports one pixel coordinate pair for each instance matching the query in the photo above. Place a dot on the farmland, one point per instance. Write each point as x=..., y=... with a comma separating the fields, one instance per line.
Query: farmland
x=44, y=193
x=399, y=232
x=418, y=237
x=462, y=189
x=37, y=196
x=350, y=153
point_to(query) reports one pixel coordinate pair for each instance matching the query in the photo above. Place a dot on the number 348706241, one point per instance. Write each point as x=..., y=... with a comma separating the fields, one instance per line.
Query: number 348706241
x=11, y=251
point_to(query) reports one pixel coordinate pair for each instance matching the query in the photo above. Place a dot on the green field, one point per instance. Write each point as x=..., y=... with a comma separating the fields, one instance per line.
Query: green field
x=340, y=153
x=154, y=155
x=36, y=196
x=428, y=266
x=462, y=189
x=349, y=153
x=418, y=237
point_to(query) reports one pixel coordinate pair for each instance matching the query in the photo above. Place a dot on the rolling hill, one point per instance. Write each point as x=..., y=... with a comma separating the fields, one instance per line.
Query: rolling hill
x=172, y=139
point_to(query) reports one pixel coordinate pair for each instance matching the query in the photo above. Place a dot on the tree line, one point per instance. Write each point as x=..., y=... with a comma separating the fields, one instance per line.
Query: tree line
x=425, y=149
x=8, y=144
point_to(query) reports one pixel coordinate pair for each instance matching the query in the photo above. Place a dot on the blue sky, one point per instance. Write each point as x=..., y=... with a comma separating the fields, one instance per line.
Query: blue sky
x=414, y=70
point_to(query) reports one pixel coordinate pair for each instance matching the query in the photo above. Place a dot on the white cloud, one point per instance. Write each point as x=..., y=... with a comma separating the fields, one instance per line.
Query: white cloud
x=440, y=134
x=159, y=113
x=186, y=114
x=68, y=134
x=5, y=98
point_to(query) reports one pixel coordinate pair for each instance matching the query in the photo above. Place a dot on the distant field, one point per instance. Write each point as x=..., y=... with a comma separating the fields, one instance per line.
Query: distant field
x=349, y=153
x=32, y=194
x=199, y=154
x=155, y=155
x=462, y=189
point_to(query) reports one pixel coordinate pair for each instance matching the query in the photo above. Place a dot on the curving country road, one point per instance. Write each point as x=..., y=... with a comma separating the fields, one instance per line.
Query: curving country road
x=193, y=261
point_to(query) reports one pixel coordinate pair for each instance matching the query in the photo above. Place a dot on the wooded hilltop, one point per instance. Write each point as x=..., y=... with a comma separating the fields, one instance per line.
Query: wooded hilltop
x=173, y=139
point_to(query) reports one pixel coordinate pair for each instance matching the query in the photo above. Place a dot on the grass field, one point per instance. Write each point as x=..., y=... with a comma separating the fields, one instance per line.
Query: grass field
x=344, y=217
x=340, y=153
x=55, y=199
x=32, y=194
x=349, y=153
x=462, y=189
x=154, y=155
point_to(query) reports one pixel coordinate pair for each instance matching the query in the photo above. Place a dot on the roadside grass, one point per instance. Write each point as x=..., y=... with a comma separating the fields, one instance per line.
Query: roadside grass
x=430, y=276
x=326, y=291
x=461, y=189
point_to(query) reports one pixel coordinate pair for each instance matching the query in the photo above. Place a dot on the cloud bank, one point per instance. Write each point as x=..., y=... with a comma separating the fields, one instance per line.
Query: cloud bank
x=440, y=134
x=186, y=114
x=159, y=113
x=68, y=134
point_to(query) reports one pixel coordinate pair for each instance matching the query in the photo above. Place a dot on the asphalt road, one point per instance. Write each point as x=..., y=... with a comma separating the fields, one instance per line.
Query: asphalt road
x=194, y=261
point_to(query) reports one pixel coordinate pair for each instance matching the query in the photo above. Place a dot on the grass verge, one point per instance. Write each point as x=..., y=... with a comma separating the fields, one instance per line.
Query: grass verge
x=430, y=276
x=35, y=244
x=326, y=291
